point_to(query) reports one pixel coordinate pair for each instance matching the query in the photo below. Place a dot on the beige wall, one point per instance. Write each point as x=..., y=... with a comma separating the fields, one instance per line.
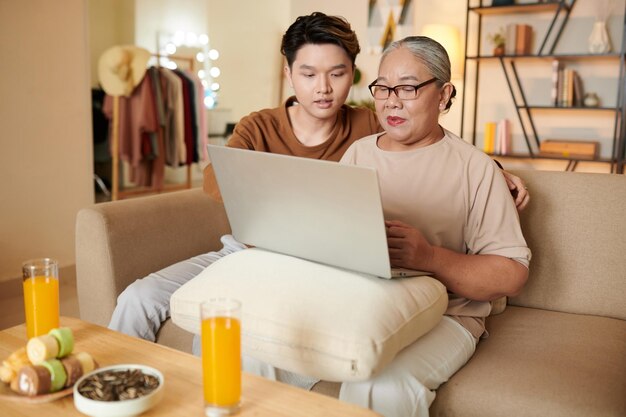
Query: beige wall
x=247, y=33
x=111, y=22
x=46, y=157
x=153, y=16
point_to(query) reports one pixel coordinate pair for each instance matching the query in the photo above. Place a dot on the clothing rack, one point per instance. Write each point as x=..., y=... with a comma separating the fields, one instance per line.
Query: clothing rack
x=116, y=193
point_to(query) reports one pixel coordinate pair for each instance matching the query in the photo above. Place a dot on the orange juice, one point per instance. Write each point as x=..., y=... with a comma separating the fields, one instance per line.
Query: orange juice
x=41, y=304
x=221, y=360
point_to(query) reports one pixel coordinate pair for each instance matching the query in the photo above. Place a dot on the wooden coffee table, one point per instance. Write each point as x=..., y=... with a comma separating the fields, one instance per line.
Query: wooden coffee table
x=183, y=380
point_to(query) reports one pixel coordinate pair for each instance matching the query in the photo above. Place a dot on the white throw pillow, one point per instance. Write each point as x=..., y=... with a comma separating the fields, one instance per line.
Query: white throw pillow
x=313, y=319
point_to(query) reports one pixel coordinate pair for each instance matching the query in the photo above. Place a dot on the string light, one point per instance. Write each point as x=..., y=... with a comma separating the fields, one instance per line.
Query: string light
x=170, y=48
x=179, y=38
x=176, y=42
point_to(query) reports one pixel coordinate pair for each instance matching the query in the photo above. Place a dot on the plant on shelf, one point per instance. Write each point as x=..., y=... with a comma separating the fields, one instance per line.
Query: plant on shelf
x=498, y=40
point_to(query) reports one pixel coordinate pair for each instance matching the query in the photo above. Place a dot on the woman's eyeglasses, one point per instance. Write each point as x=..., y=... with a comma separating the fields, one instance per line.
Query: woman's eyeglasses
x=402, y=91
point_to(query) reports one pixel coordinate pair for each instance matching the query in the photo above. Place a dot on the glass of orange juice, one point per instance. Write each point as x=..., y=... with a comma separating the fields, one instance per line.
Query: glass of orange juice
x=221, y=355
x=41, y=295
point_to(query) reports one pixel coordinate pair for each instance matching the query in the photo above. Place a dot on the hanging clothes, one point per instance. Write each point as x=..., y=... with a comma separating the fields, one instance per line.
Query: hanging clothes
x=174, y=114
x=190, y=116
x=162, y=123
x=157, y=139
x=202, y=134
x=136, y=118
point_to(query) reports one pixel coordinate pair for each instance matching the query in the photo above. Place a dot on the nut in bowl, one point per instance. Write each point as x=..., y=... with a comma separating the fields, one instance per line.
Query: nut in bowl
x=118, y=390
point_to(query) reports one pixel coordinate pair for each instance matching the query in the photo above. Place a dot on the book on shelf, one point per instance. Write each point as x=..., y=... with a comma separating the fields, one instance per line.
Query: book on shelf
x=579, y=94
x=489, y=137
x=518, y=39
x=503, y=137
x=567, y=86
x=554, y=94
x=509, y=39
x=497, y=137
x=523, y=39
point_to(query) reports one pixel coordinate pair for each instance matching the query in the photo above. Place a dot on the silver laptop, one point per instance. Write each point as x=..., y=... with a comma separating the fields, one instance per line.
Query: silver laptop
x=317, y=210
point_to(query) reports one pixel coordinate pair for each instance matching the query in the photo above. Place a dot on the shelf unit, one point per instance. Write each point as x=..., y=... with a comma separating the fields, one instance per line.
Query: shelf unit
x=525, y=110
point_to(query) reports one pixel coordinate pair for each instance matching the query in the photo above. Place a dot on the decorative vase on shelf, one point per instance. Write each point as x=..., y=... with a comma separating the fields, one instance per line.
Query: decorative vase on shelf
x=599, y=42
x=591, y=100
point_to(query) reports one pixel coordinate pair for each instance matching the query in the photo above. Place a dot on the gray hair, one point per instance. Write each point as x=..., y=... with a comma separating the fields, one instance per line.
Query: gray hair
x=431, y=54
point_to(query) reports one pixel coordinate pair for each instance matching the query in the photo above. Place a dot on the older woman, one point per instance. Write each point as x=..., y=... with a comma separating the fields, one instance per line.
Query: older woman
x=449, y=211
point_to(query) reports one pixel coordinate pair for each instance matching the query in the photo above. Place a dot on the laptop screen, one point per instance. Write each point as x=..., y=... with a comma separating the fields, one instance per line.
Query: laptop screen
x=318, y=210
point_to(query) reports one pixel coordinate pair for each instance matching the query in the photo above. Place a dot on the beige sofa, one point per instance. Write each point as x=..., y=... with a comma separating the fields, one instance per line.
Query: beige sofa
x=559, y=348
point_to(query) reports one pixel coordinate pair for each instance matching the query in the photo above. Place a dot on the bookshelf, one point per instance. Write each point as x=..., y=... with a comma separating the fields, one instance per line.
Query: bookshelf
x=528, y=110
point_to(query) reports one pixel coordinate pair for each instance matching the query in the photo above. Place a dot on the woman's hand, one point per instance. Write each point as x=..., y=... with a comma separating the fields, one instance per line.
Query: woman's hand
x=518, y=190
x=476, y=277
x=408, y=248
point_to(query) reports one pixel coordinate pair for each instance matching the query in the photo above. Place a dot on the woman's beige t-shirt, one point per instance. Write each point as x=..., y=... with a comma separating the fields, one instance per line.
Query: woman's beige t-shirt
x=456, y=196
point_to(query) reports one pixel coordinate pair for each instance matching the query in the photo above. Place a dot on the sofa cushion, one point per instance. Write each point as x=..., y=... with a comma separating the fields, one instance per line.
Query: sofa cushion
x=575, y=228
x=538, y=362
x=314, y=319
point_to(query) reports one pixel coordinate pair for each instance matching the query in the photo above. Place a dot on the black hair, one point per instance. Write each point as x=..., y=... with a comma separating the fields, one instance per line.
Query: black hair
x=319, y=28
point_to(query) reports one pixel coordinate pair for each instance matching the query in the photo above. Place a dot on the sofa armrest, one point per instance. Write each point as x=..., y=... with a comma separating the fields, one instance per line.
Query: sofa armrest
x=121, y=241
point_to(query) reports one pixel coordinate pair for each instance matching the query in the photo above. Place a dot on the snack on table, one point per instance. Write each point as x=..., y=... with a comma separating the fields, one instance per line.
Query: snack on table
x=118, y=385
x=57, y=374
x=18, y=357
x=73, y=369
x=54, y=374
x=6, y=373
x=65, y=338
x=87, y=361
x=58, y=343
x=33, y=380
x=46, y=364
x=41, y=348
x=12, y=364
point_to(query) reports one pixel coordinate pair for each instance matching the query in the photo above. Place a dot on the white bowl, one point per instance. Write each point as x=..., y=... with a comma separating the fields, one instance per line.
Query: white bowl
x=122, y=408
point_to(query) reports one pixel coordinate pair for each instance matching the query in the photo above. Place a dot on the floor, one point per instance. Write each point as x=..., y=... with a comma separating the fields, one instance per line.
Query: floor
x=11, y=302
